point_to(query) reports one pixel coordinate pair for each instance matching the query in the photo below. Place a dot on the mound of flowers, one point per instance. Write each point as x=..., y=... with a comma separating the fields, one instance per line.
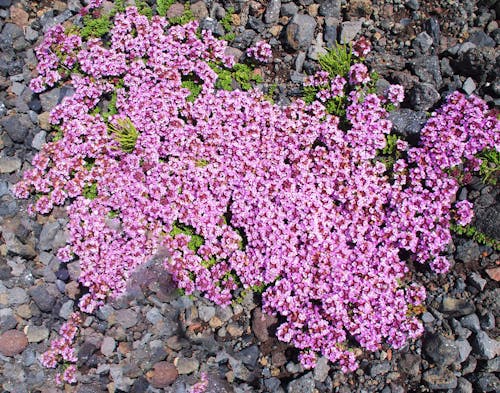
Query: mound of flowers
x=234, y=192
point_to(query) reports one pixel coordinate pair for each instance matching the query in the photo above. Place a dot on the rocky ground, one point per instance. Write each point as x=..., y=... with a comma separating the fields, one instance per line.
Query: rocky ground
x=152, y=340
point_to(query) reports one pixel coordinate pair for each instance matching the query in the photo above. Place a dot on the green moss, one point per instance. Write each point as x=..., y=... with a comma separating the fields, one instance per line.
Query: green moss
x=162, y=6
x=193, y=84
x=125, y=133
x=490, y=166
x=473, y=233
x=337, y=61
x=95, y=27
x=227, y=20
x=119, y=6
x=244, y=75
x=208, y=263
x=144, y=8
x=89, y=163
x=201, y=163
x=228, y=37
x=90, y=191
x=113, y=213
x=186, y=17
x=196, y=240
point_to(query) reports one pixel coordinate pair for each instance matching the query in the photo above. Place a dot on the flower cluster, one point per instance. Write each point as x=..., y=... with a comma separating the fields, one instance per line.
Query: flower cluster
x=229, y=190
x=261, y=52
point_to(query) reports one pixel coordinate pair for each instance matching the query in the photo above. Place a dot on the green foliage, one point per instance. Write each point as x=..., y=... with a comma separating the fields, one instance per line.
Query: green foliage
x=227, y=20
x=162, y=6
x=201, y=163
x=490, y=166
x=244, y=75
x=90, y=191
x=95, y=27
x=473, y=233
x=228, y=37
x=196, y=240
x=337, y=61
x=191, y=83
x=224, y=77
x=271, y=90
x=125, y=133
x=144, y=8
x=209, y=262
x=89, y=163
x=113, y=213
x=119, y=6
x=186, y=17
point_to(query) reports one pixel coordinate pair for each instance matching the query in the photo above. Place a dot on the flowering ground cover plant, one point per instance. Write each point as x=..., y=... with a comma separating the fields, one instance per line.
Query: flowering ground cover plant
x=234, y=192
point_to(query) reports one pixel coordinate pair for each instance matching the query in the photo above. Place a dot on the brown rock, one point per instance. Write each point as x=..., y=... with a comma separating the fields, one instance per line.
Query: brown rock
x=163, y=374
x=261, y=323
x=359, y=9
x=13, y=342
x=494, y=273
x=199, y=10
x=176, y=10
x=19, y=16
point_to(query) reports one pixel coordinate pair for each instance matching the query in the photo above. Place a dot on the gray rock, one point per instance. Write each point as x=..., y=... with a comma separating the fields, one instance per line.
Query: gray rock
x=59, y=19
x=272, y=384
x=423, y=96
x=154, y=315
x=8, y=208
x=379, y=368
x=440, y=378
x=422, y=42
x=456, y=307
x=476, y=62
x=9, y=164
x=5, y=3
x=42, y=298
x=431, y=26
x=463, y=386
x=469, y=366
x=317, y=49
x=471, y=322
x=468, y=252
x=427, y=318
x=487, y=221
x=248, y=356
x=487, y=383
x=244, y=40
x=17, y=295
x=464, y=349
x=272, y=11
x=66, y=309
x=121, y=382
x=330, y=8
x=15, y=247
x=256, y=24
x=349, y=31
x=480, y=38
x=289, y=9
x=36, y=334
x=469, y=86
x=330, y=31
x=126, y=318
x=441, y=350
x=48, y=234
x=7, y=320
x=428, y=70
x=214, y=26
x=50, y=99
x=239, y=370
x=412, y=5
x=16, y=127
x=304, y=384
x=488, y=321
x=484, y=346
x=321, y=370
x=407, y=122
x=186, y=366
x=199, y=10
x=493, y=365
x=300, y=31
x=10, y=33
x=476, y=281
x=38, y=140
x=29, y=357
x=108, y=346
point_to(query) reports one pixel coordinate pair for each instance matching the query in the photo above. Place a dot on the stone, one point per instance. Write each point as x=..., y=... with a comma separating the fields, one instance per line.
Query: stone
x=475, y=62
x=42, y=298
x=261, y=322
x=432, y=28
x=379, y=368
x=359, y=9
x=5, y=3
x=317, y=49
x=126, y=318
x=423, y=96
x=18, y=295
x=15, y=247
x=456, y=307
x=422, y=42
x=412, y=4
x=19, y=16
x=487, y=383
x=66, y=309
x=471, y=322
x=9, y=164
x=304, y=384
x=484, y=346
x=289, y=9
x=469, y=86
x=428, y=70
x=7, y=320
x=476, y=281
x=108, y=346
x=464, y=350
x=12, y=342
x=481, y=39
x=256, y=24
x=176, y=10
x=272, y=11
x=440, y=378
x=36, y=334
x=199, y=10
x=487, y=321
x=16, y=127
x=50, y=99
x=441, y=350
x=321, y=370
x=234, y=330
x=300, y=31
x=239, y=370
x=407, y=122
x=493, y=365
x=38, y=140
x=349, y=31
x=494, y=273
x=186, y=365
x=330, y=8
x=163, y=375
x=463, y=386
x=248, y=356
x=48, y=234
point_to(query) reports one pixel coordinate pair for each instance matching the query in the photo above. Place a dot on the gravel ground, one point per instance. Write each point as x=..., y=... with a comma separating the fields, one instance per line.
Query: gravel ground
x=152, y=340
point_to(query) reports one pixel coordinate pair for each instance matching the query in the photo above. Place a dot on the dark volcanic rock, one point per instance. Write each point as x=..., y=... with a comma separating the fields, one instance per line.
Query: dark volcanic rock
x=441, y=350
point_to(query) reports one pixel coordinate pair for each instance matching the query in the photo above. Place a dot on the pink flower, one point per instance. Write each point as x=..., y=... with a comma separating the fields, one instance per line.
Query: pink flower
x=358, y=74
